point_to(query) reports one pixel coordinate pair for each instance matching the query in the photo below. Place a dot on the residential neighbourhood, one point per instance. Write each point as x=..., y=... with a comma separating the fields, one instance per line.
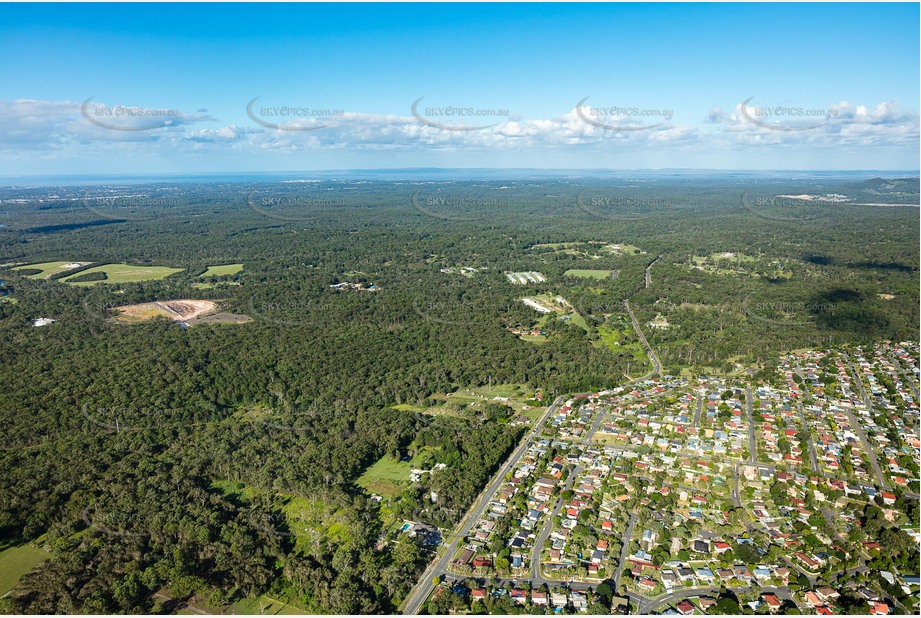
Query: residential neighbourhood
x=793, y=490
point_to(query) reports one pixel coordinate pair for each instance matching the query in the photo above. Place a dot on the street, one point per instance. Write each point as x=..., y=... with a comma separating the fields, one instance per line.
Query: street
x=423, y=588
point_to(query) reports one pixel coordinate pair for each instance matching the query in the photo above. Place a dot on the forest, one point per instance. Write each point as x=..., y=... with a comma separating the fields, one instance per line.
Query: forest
x=147, y=459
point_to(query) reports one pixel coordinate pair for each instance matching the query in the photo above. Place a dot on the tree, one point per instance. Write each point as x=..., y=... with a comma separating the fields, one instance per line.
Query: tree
x=605, y=591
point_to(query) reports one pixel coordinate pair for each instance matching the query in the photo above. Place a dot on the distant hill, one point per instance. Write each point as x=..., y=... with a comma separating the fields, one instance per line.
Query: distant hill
x=887, y=190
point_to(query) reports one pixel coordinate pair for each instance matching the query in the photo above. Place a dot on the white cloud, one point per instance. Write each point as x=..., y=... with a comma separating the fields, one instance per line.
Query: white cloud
x=46, y=127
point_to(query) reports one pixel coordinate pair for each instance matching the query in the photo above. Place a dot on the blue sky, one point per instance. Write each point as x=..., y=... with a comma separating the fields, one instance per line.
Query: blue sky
x=729, y=86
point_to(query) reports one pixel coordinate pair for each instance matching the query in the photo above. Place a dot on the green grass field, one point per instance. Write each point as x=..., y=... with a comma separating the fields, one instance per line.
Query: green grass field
x=47, y=268
x=588, y=274
x=385, y=469
x=611, y=337
x=220, y=271
x=533, y=338
x=477, y=393
x=267, y=606
x=234, y=489
x=607, y=439
x=16, y=562
x=307, y=518
x=125, y=273
x=387, y=477
x=408, y=407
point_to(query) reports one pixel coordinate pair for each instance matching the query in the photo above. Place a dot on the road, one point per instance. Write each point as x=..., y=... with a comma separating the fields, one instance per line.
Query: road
x=656, y=365
x=858, y=428
x=420, y=592
x=812, y=456
x=536, y=576
x=645, y=606
x=649, y=271
x=700, y=407
x=648, y=605
x=832, y=519
x=439, y=565
x=749, y=407
x=867, y=448
x=908, y=375
x=628, y=535
x=736, y=500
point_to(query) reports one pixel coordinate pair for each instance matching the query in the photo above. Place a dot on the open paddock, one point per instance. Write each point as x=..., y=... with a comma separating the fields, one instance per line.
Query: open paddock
x=123, y=273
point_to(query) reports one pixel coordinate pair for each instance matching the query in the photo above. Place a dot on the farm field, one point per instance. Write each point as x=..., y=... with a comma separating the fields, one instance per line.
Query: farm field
x=16, y=562
x=49, y=268
x=124, y=273
x=222, y=270
x=588, y=273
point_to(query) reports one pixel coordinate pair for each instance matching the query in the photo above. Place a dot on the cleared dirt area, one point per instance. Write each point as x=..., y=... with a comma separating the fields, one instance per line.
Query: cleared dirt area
x=178, y=310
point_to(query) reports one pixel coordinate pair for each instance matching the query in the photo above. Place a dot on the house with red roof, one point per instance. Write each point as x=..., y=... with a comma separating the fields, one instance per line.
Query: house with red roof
x=772, y=601
x=685, y=607
x=878, y=609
